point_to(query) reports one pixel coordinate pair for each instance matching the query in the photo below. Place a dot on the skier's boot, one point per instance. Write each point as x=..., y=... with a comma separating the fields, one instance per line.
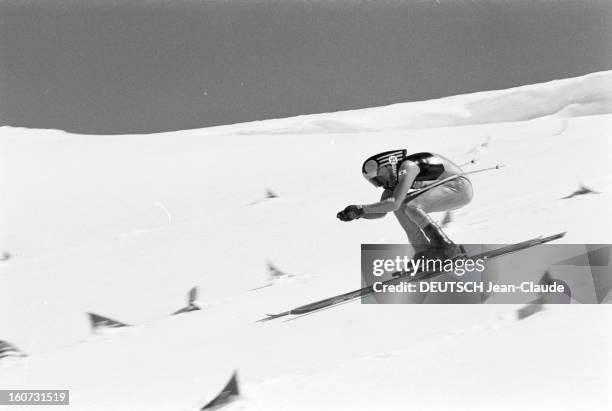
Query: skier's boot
x=441, y=247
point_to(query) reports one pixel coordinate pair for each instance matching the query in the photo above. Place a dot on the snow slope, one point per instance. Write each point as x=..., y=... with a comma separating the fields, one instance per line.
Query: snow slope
x=123, y=226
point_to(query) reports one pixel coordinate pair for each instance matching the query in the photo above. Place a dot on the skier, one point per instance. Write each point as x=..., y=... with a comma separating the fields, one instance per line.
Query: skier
x=398, y=173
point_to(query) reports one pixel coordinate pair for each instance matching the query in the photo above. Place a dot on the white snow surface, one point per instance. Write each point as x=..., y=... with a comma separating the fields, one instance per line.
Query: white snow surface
x=124, y=225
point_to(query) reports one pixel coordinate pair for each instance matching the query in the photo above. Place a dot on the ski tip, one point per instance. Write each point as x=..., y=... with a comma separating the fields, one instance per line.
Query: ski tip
x=558, y=235
x=269, y=317
x=551, y=237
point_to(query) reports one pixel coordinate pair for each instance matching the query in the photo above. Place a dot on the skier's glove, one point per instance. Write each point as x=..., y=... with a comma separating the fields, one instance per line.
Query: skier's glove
x=351, y=213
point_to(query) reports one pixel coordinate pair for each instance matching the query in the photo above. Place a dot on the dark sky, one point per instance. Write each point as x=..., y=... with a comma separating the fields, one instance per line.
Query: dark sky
x=113, y=67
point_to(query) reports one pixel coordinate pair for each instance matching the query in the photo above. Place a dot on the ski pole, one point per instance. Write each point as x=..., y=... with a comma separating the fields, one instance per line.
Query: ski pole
x=495, y=167
x=447, y=179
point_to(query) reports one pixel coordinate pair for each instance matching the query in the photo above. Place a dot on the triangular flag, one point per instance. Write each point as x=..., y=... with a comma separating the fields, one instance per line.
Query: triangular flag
x=9, y=350
x=192, y=304
x=227, y=394
x=98, y=321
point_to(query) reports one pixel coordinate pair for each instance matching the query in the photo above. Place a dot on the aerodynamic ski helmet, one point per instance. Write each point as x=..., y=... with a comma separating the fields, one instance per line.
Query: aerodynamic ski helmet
x=381, y=169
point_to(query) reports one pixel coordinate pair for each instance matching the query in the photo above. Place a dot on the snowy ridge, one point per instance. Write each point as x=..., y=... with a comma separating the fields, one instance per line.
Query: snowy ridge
x=590, y=94
x=586, y=95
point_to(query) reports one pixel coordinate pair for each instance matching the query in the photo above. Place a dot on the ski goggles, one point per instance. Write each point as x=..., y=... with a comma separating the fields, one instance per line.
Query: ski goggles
x=379, y=175
x=370, y=172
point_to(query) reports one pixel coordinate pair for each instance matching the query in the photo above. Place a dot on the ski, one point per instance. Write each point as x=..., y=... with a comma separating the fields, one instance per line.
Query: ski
x=396, y=277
